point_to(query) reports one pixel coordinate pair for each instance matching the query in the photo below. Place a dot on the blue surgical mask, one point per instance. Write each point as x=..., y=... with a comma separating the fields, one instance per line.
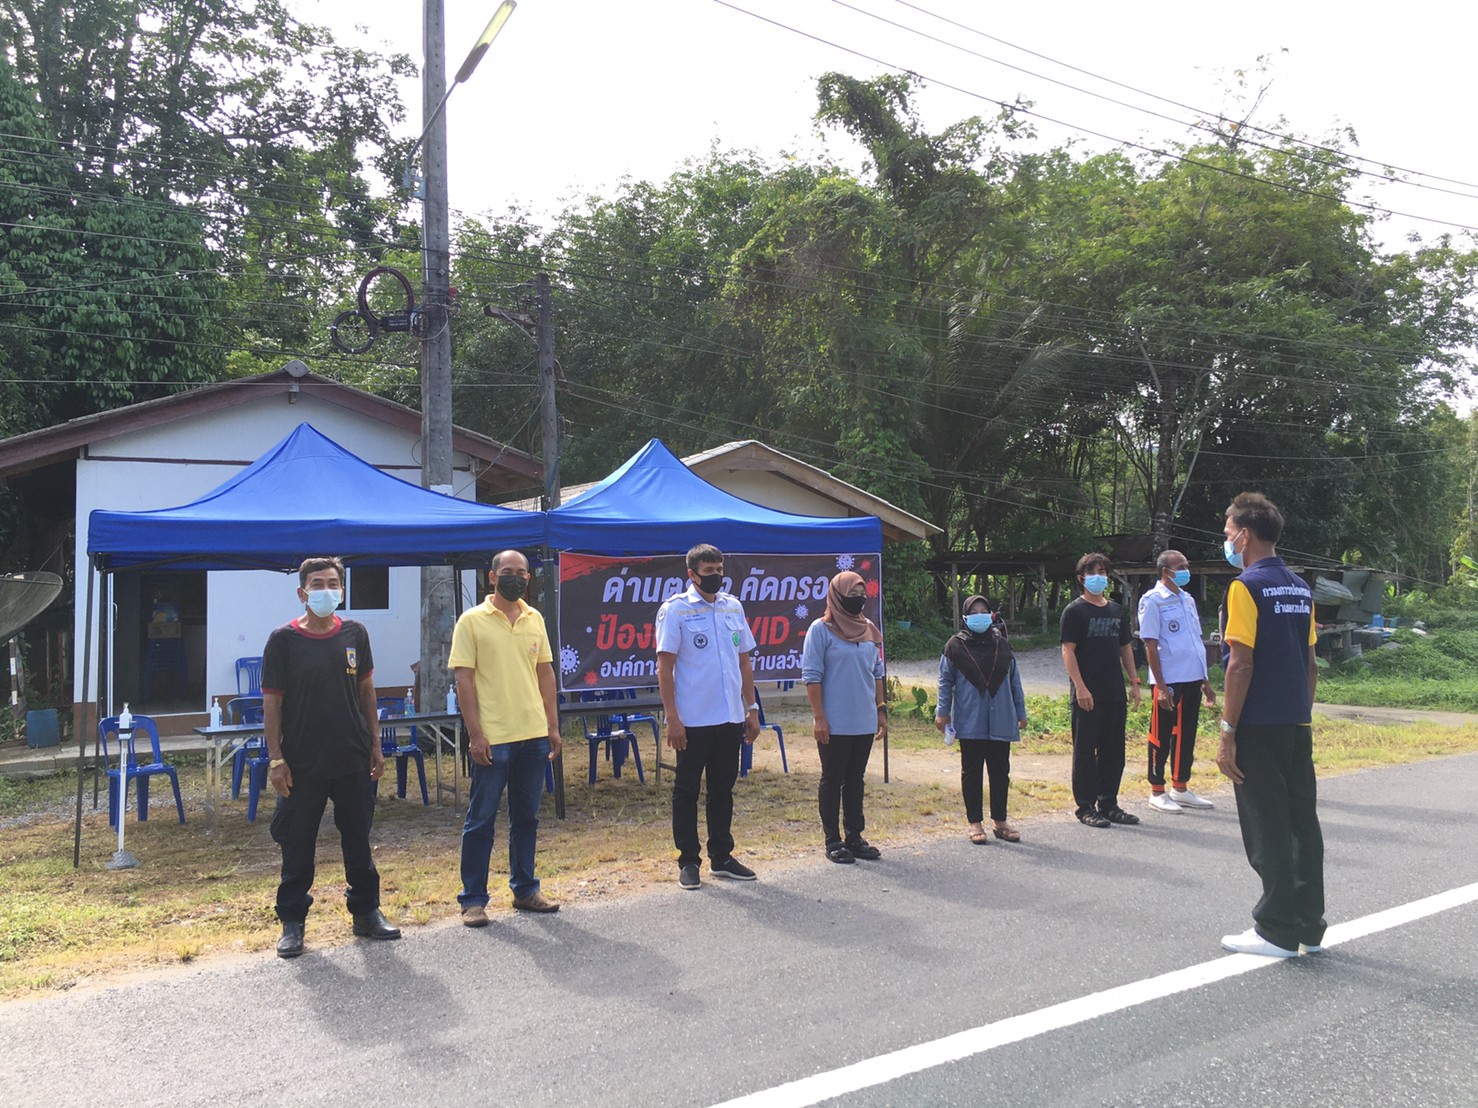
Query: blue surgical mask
x=979, y=622
x=1182, y=578
x=323, y=602
x=1095, y=583
x=1233, y=558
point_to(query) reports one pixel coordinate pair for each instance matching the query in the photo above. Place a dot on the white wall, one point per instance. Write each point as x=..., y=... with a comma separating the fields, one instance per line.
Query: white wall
x=187, y=459
x=775, y=492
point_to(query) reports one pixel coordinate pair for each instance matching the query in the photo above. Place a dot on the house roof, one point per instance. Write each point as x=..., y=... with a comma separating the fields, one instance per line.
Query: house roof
x=749, y=455
x=506, y=469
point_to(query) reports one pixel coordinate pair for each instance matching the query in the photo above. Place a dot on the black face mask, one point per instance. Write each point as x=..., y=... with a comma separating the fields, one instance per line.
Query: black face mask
x=852, y=605
x=711, y=583
x=511, y=587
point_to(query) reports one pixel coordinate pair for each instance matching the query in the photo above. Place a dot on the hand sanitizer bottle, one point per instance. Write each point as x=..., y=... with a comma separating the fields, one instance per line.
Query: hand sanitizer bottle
x=125, y=720
x=451, y=700
x=410, y=700
x=215, y=712
x=949, y=734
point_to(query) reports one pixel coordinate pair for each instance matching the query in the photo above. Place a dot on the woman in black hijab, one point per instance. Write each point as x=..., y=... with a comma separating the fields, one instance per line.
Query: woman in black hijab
x=982, y=704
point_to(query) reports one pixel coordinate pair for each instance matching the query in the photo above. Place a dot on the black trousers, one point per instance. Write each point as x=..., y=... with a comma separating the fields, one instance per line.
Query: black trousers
x=712, y=753
x=843, y=764
x=1280, y=831
x=994, y=759
x=1098, y=753
x=295, y=825
x=1173, y=735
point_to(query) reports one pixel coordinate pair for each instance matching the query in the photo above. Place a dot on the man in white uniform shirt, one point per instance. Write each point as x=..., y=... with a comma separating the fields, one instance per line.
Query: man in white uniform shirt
x=1171, y=629
x=707, y=685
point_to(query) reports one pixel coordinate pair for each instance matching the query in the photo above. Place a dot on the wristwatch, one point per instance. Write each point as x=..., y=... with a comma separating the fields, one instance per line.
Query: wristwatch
x=275, y=762
x=754, y=707
x=1227, y=728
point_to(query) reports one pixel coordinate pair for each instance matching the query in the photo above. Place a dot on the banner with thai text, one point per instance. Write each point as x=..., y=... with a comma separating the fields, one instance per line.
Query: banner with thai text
x=608, y=610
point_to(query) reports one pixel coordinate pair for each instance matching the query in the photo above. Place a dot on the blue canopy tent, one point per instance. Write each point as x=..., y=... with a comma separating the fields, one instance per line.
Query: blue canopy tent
x=305, y=496
x=654, y=504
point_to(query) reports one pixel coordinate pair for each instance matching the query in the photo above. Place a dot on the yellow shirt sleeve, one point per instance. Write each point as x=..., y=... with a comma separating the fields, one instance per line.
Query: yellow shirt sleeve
x=1313, y=628
x=1241, y=615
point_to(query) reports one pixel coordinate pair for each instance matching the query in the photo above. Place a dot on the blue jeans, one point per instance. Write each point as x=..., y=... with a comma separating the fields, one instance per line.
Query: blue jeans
x=518, y=767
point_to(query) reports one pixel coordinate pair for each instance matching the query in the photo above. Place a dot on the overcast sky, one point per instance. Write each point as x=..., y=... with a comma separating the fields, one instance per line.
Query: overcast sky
x=576, y=95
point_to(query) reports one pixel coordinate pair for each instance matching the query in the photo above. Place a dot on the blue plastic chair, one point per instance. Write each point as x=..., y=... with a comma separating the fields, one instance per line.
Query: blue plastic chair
x=629, y=718
x=746, y=751
x=251, y=757
x=251, y=669
x=392, y=747
x=140, y=772
x=610, y=734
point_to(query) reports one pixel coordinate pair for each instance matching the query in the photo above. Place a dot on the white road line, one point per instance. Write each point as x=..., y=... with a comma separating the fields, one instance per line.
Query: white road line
x=978, y=1040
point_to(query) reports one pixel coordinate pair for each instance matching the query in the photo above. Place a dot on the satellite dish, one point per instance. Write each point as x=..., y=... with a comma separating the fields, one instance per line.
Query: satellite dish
x=23, y=597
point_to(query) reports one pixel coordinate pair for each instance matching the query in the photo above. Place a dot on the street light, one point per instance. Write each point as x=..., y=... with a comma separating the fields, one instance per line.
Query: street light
x=410, y=180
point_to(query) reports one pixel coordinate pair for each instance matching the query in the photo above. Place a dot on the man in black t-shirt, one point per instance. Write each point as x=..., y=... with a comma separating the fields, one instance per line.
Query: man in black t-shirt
x=1095, y=648
x=318, y=707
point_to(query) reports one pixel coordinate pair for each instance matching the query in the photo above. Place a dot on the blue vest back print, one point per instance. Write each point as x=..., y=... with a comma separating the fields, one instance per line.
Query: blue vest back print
x=1279, y=693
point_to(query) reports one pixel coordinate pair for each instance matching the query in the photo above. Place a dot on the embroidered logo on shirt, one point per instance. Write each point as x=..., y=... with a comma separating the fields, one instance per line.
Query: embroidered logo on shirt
x=1174, y=626
x=700, y=641
x=351, y=659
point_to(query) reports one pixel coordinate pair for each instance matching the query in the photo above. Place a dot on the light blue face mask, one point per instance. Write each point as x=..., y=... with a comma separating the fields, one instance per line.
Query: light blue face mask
x=1227, y=548
x=1096, y=583
x=323, y=602
x=1182, y=578
x=979, y=623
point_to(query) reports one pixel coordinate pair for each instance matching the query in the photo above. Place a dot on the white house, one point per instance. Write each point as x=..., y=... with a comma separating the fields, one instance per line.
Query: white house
x=168, y=452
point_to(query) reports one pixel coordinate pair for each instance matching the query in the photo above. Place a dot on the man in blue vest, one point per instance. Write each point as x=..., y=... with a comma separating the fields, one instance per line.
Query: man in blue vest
x=1266, y=734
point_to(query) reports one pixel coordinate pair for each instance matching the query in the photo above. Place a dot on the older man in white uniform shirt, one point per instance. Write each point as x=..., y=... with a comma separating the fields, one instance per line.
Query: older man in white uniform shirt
x=1171, y=629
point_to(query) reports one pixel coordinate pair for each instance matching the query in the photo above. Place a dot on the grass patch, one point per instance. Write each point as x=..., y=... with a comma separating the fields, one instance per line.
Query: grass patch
x=198, y=896
x=1437, y=669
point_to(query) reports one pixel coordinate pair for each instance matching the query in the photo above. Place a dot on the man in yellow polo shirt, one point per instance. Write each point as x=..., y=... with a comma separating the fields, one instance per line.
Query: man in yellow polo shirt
x=505, y=688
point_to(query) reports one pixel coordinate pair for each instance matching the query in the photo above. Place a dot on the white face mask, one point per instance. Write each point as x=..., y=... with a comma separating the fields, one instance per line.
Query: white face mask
x=323, y=602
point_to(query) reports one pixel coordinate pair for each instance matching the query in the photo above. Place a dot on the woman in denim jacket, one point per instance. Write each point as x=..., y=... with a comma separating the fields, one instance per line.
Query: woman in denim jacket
x=981, y=700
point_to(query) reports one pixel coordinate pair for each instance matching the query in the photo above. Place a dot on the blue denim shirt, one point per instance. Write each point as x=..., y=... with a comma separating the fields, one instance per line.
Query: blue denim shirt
x=976, y=714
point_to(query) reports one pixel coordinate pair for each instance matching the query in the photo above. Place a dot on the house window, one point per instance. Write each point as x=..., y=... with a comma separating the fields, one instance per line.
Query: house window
x=367, y=589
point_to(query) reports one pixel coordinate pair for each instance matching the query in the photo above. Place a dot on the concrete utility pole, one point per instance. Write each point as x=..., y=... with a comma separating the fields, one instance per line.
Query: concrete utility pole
x=548, y=413
x=437, y=582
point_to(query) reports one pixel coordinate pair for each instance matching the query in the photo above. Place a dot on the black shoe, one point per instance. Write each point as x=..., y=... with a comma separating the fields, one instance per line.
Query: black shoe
x=839, y=853
x=291, y=943
x=1090, y=818
x=374, y=925
x=863, y=849
x=687, y=876
x=1118, y=815
x=732, y=868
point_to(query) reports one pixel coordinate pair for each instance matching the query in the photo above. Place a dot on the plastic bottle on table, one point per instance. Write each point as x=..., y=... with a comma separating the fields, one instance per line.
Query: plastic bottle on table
x=451, y=700
x=215, y=712
x=410, y=700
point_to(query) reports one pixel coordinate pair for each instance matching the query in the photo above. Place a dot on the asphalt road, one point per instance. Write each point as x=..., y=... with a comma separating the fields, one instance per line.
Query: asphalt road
x=695, y=998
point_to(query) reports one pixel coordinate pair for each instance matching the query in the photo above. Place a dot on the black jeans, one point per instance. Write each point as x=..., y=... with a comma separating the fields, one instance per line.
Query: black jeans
x=1173, y=735
x=1280, y=831
x=295, y=828
x=994, y=758
x=843, y=763
x=1098, y=753
x=712, y=752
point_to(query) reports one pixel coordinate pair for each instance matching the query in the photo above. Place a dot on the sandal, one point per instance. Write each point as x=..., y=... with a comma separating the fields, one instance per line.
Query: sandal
x=1008, y=833
x=978, y=836
x=837, y=852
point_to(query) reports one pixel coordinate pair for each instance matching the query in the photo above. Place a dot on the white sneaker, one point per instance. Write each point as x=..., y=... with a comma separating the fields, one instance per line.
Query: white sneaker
x=1187, y=799
x=1307, y=949
x=1250, y=942
x=1161, y=802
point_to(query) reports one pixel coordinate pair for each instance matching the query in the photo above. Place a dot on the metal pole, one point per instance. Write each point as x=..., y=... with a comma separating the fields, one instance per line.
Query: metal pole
x=81, y=732
x=437, y=582
x=549, y=440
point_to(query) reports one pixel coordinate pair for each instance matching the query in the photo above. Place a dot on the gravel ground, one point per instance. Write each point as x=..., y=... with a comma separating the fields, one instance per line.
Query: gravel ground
x=1041, y=671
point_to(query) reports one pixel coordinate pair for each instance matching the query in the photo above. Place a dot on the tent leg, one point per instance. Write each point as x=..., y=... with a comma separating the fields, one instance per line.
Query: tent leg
x=82, y=733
